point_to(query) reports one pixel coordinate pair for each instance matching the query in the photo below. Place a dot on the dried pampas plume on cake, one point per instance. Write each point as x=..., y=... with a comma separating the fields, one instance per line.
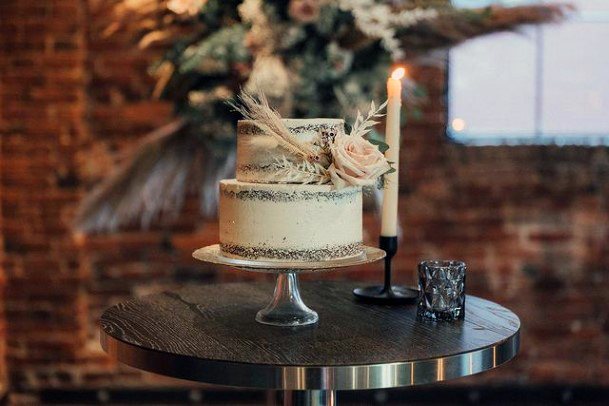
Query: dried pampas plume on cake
x=255, y=106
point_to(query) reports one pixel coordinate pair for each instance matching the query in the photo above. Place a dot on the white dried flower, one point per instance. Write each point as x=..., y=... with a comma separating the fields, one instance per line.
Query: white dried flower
x=250, y=10
x=270, y=76
x=190, y=7
x=260, y=39
x=378, y=21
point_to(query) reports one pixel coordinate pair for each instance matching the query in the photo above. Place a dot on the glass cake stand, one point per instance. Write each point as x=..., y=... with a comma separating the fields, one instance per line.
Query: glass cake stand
x=286, y=308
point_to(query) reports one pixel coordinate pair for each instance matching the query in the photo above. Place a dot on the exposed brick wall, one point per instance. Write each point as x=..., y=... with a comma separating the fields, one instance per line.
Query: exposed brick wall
x=532, y=222
x=3, y=371
x=42, y=110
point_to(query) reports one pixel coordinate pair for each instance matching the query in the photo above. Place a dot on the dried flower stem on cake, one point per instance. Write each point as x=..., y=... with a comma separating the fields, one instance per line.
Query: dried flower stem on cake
x=304, y=172
x=362, y=126
x=257, y=108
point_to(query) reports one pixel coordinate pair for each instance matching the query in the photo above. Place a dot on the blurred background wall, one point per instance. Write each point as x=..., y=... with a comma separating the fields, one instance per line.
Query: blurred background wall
x=531, y=221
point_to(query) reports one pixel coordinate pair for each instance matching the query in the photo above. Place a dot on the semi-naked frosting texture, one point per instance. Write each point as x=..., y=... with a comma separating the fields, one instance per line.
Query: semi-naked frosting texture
x=258, y=152
x=289, y=222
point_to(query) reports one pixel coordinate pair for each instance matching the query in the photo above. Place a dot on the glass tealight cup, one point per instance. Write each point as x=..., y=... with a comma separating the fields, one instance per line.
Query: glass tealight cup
x=441, y=290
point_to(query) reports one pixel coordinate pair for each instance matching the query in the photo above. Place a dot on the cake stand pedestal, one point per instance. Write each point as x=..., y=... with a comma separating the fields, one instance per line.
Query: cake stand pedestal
x=286, y=308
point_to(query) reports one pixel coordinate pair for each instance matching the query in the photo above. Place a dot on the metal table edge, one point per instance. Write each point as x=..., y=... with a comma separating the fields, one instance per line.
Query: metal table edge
x=293, y=377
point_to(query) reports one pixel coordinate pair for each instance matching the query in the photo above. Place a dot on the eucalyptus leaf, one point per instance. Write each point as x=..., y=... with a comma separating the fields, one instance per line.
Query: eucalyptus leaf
x=381, y=145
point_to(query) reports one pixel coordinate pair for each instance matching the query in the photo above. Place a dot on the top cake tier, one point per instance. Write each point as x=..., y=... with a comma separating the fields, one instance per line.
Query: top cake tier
x=258, y=152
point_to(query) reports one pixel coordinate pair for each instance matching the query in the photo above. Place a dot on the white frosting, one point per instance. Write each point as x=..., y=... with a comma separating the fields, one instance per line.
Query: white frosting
x=257, y=152
x=278, y=221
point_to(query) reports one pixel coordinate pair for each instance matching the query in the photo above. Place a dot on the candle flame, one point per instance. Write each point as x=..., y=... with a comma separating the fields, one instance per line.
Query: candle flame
x=398, y=73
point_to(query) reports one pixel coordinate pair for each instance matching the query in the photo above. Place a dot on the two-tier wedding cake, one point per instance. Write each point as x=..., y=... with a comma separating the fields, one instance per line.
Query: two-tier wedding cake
x=298, y=191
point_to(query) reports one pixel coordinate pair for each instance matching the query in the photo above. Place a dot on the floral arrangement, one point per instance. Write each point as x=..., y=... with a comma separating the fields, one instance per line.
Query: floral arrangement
x=311, y=58
x=340, y=159
x=355, y=160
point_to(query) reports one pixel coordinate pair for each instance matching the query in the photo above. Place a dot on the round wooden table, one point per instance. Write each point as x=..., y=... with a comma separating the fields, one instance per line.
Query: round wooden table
x=208, y=334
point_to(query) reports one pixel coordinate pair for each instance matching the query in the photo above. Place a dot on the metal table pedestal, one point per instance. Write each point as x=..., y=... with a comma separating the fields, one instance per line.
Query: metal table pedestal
x=309, y=398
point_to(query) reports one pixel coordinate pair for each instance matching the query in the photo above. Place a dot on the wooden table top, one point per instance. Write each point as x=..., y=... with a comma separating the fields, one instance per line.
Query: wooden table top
x=208, y=332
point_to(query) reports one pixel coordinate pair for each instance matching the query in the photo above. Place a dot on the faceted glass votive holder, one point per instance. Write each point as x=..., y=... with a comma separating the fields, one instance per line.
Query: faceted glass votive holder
x=441, y=290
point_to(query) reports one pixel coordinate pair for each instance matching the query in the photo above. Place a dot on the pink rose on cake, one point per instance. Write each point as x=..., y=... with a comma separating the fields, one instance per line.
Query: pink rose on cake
x=355, y=161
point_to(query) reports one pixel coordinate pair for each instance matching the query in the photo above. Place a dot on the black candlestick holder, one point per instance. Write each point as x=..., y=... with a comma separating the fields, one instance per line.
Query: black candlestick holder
x=387, y=293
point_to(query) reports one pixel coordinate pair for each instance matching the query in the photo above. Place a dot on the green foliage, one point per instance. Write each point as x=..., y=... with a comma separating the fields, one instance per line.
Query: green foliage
x=329, y=64
x=216, y=53
x=381, y=145
x=219, y=13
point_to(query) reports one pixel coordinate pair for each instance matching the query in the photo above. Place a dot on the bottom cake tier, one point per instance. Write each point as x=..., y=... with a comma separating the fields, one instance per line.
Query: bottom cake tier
x=289, y=222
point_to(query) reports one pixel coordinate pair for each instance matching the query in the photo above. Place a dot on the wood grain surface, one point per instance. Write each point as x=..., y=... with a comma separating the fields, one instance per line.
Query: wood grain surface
x=216, y=322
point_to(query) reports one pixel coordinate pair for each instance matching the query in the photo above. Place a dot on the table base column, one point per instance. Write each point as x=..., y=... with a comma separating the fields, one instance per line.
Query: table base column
x=309, y=398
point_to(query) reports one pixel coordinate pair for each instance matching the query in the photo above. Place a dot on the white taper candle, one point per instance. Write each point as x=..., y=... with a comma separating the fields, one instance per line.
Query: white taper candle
x=389, y=220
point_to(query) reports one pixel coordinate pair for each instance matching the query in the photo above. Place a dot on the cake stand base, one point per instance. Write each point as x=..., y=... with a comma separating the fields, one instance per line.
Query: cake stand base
x=381, y=295
x=287, y=309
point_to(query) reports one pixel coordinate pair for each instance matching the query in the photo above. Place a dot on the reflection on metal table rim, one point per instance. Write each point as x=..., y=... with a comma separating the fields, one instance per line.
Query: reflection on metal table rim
x=372, y=376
